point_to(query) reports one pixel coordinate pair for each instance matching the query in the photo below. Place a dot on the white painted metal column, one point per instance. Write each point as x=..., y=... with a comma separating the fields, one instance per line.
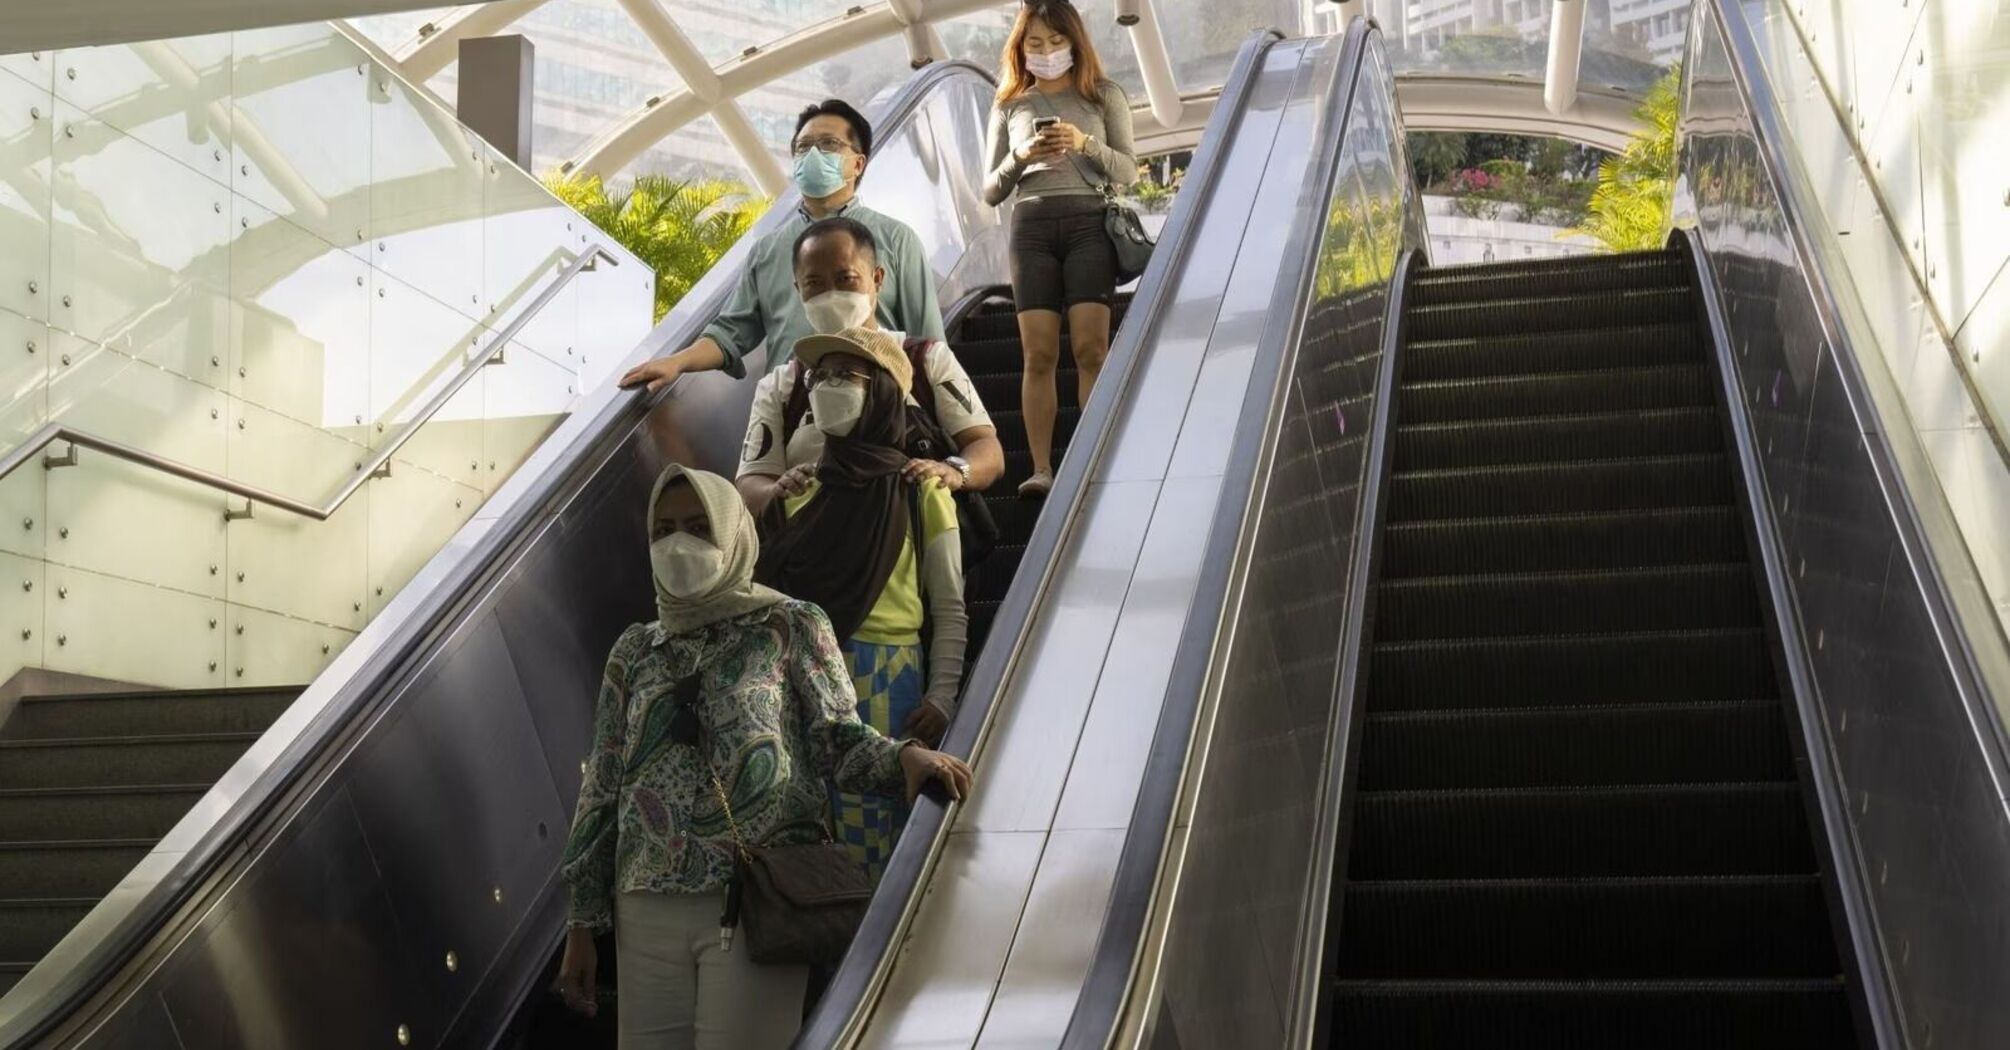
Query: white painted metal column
x=1350, y=8
x=437, y=49
x=1566, y=46
x=924, y=44
x=703, y=83
x=1154, y=64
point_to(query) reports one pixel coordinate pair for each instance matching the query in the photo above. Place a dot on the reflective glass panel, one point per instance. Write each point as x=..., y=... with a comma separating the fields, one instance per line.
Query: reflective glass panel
x=1628, y=44
x=301, y=129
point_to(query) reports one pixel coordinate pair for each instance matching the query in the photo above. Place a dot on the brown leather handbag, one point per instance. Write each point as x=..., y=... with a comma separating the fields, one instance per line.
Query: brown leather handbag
x=797, y=904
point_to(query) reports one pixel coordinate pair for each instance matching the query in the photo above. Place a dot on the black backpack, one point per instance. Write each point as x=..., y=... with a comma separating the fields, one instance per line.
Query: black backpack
x=926, y=439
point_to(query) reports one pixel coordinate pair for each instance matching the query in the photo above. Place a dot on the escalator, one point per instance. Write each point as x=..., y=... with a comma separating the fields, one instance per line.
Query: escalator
x=1577, y=819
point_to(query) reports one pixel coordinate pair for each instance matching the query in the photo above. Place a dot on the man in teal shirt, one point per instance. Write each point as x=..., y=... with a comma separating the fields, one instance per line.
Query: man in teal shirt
x=831, y=146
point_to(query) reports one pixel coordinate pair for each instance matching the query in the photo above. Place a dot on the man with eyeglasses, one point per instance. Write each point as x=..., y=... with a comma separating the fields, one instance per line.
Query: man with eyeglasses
x=831, y=146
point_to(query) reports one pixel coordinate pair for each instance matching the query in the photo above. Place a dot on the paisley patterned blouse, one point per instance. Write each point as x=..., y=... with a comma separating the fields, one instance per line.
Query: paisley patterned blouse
x=779, y=723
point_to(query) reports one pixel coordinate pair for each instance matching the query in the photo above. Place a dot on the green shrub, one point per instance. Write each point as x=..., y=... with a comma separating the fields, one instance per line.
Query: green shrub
x=680, y=228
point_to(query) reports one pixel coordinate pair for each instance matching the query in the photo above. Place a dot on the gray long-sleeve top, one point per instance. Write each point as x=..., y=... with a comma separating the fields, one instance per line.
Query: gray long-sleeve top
x=1106, y=120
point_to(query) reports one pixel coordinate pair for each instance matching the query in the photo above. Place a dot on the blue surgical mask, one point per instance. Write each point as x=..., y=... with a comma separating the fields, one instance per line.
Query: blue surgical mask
x=819, y=174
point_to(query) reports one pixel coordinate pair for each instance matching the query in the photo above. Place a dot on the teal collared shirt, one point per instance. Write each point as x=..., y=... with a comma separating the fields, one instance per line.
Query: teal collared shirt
x=764, y=305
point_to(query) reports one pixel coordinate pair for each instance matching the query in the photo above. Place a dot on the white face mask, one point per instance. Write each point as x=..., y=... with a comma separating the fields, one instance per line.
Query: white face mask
x=836, y=407
x=835, y=311
x=687, y=566
x=1052, y=64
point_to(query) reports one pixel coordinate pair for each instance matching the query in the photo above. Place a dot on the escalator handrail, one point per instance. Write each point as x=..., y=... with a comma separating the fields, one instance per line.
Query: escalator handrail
x=394, y=648
x=1107, y=989
x=1316, y=950
x=844, y=1007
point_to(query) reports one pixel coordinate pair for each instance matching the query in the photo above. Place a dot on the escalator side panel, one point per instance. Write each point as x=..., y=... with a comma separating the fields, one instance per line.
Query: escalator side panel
x=1904, y=746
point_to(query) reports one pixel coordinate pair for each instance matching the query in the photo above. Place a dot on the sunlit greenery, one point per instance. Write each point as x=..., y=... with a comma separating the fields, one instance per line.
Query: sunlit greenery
x=678, y=227
x=1629, y=210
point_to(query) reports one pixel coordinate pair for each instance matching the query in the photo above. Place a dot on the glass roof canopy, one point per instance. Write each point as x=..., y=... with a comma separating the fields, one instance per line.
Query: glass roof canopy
x=610, y=98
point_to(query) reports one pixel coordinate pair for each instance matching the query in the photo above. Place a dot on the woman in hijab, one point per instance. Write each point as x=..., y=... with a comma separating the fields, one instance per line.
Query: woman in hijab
x=734, y=681
x=848, y=543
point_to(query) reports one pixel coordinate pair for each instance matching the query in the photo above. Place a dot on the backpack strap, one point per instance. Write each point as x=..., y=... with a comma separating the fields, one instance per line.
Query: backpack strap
x=795, y=406
x=922, y=389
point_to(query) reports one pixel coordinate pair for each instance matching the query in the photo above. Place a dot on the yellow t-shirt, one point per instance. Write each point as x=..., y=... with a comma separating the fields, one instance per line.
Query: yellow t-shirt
x=897, y=617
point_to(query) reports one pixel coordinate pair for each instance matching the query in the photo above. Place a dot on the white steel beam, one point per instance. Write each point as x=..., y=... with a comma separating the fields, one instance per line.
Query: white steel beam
x=1566, y=46
x=1154, y=63
x=760, y=164
x=703, y=83
x=433, y=51
x=756, y=67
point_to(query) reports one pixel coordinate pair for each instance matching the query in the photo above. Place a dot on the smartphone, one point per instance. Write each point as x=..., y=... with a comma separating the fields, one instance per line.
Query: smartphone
x=1043, y=123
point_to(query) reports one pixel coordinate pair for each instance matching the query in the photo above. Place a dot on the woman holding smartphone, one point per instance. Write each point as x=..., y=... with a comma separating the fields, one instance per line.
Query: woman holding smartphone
x=1060, y=131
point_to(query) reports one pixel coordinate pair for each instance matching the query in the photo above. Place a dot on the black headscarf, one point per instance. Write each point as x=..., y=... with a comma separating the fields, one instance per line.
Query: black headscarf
x=838, y=551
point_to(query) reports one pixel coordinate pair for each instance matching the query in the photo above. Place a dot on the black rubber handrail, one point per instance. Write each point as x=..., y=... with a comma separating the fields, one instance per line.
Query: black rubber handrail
x=1107, y=988
x=1318, y=941
x=852, y=988
x=393, y=663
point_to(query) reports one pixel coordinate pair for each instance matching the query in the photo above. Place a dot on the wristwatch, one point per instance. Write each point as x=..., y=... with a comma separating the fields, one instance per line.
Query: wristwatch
x=962, y=467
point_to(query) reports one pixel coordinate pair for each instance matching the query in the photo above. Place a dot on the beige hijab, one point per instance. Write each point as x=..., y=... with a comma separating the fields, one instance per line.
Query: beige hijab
x=733, y=530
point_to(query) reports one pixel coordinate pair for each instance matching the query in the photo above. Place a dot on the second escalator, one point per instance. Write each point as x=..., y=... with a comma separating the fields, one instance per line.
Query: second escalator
x=1577, y=822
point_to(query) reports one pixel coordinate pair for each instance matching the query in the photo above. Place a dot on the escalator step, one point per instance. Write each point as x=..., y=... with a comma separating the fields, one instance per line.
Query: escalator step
x=55, y=869
x=1778, y=1014
x=1012, y=427
x=29, y=928
x=1552, y=264
x=1659, y=270
x=1579, y=929
x=119, y=761
x=1655, y=483
x=72, y=814
x=1570, y=671
x=146, y=714
x=1606, y=745
x=1556, y=394
x=1622, y=539
x=986, y=359
x=1015, y=517
x=1494, y=833
x=1669, y=598
x=1000, y=391
x=1629, y=346
x=1551, y=439
x=1551, y=313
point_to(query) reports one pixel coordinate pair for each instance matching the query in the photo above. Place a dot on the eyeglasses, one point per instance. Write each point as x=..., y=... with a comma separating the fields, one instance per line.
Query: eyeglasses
x=828, y=144
x=820, y=376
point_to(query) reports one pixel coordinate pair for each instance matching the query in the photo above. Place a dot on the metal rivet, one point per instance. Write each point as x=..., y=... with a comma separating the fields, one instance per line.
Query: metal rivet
x=457, y=504
x=359, y=233
x=240, y=579
x=240, y=672
x=62, y=592
x=404, y=1036
x=492, y=466
x=63, y=533
x=69, y=131
x=244, y=224
x=497, y=894
x=26, y=634
x=380, y=293
x=380, y=592
x=239, y=629
x=70, y=73
x=31, y=346
x=66, y=300
x=215, y=361
x=474, y=466
x=324, y=649
x=62, y=639
x=212, y=572
x=66, y=359
x=215, y=413
x=359, y=282
x=217, y=207
x=240, y=424
x=34, y=112
x=357, y=606
x=212, y=623
x=453, y=962
x=27, y=523
x=33, y=287
x=216, y=154
x=240, y=373
x=27, y=585
x=380, y=428
x=380, y=246
x=359, y=70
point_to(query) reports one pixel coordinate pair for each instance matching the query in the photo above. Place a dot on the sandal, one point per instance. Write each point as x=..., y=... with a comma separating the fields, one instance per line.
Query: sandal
x=1037, y=486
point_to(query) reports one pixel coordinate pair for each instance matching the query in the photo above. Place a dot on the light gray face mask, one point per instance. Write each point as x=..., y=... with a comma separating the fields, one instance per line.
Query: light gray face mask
x=834, y=311
x=685, y=565
x=1052, y=64
x=836, y=407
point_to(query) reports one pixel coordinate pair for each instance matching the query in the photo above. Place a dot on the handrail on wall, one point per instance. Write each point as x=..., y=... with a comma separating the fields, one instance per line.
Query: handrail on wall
x=378, y=465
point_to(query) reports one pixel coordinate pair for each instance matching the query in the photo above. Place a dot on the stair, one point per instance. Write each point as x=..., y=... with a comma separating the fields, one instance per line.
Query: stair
x=987, y=343
x=88, y=784
x=1576, y=818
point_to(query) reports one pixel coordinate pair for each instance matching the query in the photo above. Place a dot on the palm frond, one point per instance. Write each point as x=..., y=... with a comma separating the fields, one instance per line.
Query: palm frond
x=678, y=227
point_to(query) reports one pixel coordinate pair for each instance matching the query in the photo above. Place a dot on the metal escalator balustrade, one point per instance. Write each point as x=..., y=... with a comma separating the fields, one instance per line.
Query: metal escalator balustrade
x=1577, y=820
